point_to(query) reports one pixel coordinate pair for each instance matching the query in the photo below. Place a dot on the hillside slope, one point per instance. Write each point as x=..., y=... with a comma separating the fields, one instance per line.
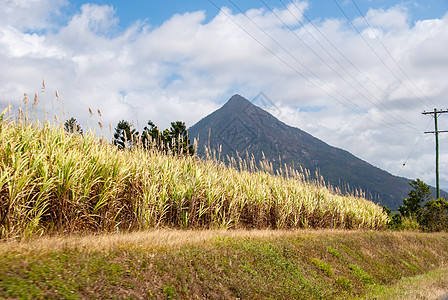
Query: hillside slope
x=233, y=264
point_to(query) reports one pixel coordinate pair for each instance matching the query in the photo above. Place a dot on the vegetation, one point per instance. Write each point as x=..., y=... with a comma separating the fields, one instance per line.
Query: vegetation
x=56, y=182
x=72, y=126
x=435, y=215
x=167, y=264
x=174, y=140
x=125, y=136
x=412, y=206
x=420, y=210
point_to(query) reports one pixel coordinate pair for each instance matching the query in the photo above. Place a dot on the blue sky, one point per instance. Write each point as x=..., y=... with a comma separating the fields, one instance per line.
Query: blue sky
x=358, y=86
x=156, y=12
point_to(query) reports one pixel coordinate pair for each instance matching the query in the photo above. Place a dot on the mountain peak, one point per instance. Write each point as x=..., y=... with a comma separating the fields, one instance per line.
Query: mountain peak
x=238, y=100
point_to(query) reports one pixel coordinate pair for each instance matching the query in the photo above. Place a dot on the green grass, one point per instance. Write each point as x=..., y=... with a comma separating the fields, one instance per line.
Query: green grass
x=334, y=252
x=54, y=182
x=248, y=265
x=323, y=266
x=361, y=274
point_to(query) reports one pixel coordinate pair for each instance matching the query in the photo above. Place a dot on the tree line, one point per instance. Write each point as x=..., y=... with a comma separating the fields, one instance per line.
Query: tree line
x=173, y=140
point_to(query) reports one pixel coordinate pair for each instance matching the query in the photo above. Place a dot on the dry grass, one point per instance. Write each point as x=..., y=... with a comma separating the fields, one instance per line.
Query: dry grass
x=153, y=239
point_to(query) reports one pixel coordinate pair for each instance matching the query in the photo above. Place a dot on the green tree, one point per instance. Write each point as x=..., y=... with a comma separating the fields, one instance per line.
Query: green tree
x=177, y=138
x=174, y=139
x=412, y=206
x=151, y=136
x=72, y=126
x=125, y=137
x=435, y=215
x=386, y=210
x=395, y=220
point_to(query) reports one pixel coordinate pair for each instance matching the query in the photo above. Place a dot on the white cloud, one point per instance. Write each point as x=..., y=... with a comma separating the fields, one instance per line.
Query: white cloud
x=186, y=68
x=395, y=18
x=19, y=44
x=30, y=14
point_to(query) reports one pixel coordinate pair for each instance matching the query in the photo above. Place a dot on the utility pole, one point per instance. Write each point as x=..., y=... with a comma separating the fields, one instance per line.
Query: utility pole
x=436, y=132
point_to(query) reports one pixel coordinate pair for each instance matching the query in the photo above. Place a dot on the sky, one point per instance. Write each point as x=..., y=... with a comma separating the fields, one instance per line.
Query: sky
x=356, y=74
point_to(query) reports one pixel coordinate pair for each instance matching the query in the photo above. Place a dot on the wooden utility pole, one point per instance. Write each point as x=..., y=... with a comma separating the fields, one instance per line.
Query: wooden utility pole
x=436, y=132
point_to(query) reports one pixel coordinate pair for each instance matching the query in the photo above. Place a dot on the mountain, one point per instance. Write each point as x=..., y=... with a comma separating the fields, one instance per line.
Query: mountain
x=240, y=126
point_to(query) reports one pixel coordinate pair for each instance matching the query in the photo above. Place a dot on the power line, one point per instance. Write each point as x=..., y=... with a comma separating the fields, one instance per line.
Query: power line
x=390, y=55
x=377, y=55
x=412, y=151
x=339, y=52
x=338, y=63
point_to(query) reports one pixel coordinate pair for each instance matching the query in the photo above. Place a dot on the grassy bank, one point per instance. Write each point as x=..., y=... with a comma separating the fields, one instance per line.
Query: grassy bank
x=164, y=264
x=54, y=182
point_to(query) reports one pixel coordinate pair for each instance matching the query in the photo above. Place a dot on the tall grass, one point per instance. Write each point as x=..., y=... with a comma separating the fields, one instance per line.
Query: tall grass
x=54, y=182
